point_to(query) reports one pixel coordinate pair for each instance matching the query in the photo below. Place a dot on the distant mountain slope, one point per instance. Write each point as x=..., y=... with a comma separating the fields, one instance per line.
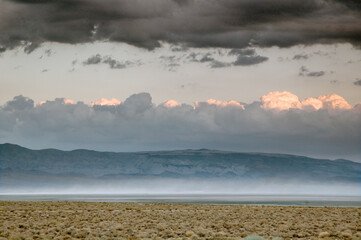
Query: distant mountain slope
x=16, y=161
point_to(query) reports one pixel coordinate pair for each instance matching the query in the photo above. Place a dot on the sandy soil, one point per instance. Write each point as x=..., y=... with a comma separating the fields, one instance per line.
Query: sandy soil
x=67, y=220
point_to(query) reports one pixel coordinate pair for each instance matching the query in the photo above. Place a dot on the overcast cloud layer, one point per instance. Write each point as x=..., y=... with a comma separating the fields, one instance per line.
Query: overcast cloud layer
x=200, y=23
x=326, y=126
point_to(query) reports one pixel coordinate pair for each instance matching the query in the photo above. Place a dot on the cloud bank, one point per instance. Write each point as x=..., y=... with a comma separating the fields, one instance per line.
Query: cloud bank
x=326, y=126
x=200, y=23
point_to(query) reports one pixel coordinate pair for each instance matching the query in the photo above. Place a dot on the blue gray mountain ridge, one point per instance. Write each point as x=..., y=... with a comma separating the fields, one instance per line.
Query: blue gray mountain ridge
x=22, y=168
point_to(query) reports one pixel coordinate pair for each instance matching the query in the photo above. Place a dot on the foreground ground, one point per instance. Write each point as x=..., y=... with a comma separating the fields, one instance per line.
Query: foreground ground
x=67, y=220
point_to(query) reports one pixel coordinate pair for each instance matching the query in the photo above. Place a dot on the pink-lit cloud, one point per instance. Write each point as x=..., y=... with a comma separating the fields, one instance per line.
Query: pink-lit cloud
x=311, y=104
x=334, y=102
x=281, y=101
x=68, y=101
x=171, y=103
x=219, y=103
x=40, y=103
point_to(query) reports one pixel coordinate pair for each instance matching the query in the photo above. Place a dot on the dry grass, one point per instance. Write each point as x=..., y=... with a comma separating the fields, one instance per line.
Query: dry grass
x=81, y=220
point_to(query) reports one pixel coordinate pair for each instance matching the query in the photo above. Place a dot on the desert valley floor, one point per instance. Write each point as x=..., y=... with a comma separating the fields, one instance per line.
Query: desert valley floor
x=91, y=220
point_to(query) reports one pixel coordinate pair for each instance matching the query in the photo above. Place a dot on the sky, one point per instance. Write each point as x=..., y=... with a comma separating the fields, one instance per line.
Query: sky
x=241, y=75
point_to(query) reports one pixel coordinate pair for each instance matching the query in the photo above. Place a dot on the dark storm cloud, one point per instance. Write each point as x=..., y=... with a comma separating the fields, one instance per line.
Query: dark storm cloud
x=2, y=49
x=241, y=52
x=315, y=74
x=48, y=52
x=306, y=73
x=246, y=57
x=206, y=58
x=219, y=64
x=201, y=58
x=357, y=82
x=199, y=23
x=301, y=57
x=172, y=62
x=249, y=60
x=138, y=124
x=179, y=48
x=351, y=4
x=96, y=59
x=112, y=63
x=31, y=47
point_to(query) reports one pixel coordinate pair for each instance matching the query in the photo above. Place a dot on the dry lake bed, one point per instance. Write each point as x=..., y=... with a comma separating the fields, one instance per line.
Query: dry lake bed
x=107, y=220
